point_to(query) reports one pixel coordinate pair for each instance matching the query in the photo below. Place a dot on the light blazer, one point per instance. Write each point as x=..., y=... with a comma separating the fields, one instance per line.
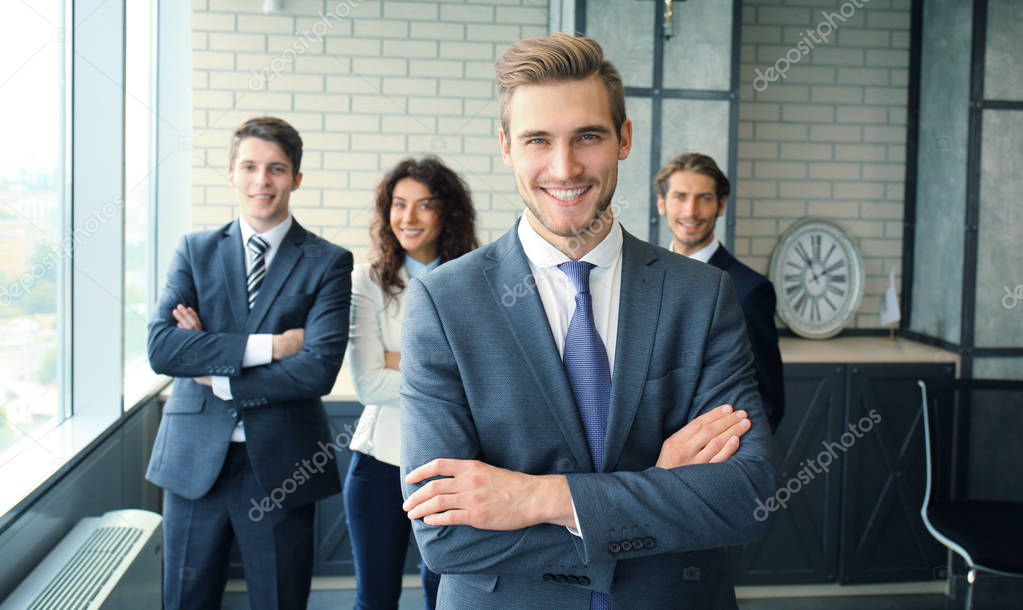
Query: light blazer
x=374, y=330
x=483, y=380
x=309, y=286
x=758, y=301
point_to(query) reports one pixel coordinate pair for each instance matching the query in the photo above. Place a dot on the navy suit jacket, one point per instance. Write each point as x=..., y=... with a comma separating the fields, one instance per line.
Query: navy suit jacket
x=758, y=301
x=483, y=379
x=307, y=286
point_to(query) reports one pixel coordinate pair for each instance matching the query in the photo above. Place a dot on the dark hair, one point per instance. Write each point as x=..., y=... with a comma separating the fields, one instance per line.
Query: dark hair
x=457, y=219
x=697, y=163
x=273, y=130
x=553, y=59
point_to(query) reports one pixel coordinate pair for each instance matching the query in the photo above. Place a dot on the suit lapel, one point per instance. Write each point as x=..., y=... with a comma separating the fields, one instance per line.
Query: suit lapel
x=509, y=277
x=639, y=310
x=722, y=258
x=233, y=264
x=278, y=273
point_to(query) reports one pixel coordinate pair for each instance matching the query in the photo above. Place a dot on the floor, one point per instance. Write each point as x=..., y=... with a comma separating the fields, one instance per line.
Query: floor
x=998, y=595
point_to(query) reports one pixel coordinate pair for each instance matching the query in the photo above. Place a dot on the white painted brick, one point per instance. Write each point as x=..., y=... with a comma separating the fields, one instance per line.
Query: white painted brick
x=779, y=169
x=439, y=106
x=436, y=68
x=323, y=102
x=410, y=48
x=852, y=37
x=378, y=28
x=266, y=24
x=312, y=64
x=220, y=41
x=466, y=50
x=804, y=151
x=410, y=86
x=212, y=99
x=264, y=101
x=808, y=113
x=535, y=15
x=408, y=124
x=298, y=83
x=467, y=14
x=835, y=133
x=835, y=171
x=326, y=140
x=410, y=10
x=467, y=88
x=353, y=47
x=862, y=114
x=492, y=33
x=888, y=58
x=212, y=22
x=379, y=104
x=353, y=84
x=379, y=66
x=206, y=60
x=378, y=142
x=438, y=31
x=836, y=95
x=327, y=26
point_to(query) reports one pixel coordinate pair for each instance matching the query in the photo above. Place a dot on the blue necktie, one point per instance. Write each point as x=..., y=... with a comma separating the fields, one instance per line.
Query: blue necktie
x=257, y=250
x=589, y=375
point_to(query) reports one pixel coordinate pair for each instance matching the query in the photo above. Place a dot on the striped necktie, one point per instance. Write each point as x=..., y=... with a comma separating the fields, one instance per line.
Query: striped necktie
x=257, y=252
x=589, y=375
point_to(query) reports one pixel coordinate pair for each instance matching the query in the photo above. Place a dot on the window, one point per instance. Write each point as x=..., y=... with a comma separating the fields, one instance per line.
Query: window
x=139, y=191
x=34, y=251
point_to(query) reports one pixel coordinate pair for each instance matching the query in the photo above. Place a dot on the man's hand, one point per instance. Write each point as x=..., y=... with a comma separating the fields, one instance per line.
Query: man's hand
x=710, y=438
x=486, y=497
x=392, y=360
x=206, y=381
x=288, y=343
x=187, y=318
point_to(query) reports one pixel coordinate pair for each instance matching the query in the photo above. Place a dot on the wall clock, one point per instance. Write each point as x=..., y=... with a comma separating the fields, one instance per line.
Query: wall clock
x=817, y=273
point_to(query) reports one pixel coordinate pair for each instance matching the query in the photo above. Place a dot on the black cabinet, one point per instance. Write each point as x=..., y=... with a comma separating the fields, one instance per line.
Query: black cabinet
x=333, y=552
x=850, y=460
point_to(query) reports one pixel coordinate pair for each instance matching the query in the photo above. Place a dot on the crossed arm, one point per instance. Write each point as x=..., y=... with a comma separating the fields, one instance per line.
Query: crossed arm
x=696, y=495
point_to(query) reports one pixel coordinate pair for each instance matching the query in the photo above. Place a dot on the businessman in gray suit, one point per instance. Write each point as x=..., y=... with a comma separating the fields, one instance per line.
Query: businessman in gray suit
x=253, y=325
x=564, y=442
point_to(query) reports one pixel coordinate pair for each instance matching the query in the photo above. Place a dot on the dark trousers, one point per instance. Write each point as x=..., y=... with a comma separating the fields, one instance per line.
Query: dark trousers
x=276, y=546
x=379, y=531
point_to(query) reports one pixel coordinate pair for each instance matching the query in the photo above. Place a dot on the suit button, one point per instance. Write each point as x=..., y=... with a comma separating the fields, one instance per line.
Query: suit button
x=626, y=546
x=572, y=579
x=614, y=547
x=232, y=413
x=584, y=580
x=548, y=577
x=559, y=578
x=637, y=543
x=649, y=543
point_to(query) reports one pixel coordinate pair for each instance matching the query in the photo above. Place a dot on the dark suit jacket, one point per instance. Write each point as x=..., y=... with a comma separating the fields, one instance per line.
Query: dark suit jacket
x=756, y=295
x=483, y=379
x=309, y=286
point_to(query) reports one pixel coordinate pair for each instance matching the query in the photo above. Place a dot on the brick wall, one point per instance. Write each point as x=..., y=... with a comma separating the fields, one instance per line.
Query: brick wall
x=366, y=82
x=827, y=140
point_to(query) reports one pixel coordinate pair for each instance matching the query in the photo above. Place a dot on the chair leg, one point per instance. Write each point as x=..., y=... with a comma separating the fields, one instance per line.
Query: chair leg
x=971, y=578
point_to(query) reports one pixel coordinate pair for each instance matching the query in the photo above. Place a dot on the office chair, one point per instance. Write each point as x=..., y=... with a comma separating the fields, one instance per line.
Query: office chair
x=988, y=535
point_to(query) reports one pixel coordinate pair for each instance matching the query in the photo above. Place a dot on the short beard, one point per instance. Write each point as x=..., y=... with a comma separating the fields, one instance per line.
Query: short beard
x=577, y=233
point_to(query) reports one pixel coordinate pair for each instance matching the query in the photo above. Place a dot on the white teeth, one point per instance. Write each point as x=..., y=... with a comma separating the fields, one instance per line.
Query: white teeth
x=566, y=194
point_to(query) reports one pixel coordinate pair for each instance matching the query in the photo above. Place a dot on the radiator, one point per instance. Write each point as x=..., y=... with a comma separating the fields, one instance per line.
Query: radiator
x=112, y=562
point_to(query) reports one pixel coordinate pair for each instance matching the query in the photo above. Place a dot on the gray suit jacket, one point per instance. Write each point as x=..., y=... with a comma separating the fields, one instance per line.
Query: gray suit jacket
x=308, y=285
x=483, y=380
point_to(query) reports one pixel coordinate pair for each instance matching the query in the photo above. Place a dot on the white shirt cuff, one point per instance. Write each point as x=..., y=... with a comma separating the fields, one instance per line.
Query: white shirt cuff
x=572, y=530
x=259, y=350
x=222, y=390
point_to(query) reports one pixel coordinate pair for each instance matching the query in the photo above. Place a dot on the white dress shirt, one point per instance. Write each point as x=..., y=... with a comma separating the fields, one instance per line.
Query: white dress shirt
x=557, y=292
x=258, y=348
x=375, y=329
x=703, y=254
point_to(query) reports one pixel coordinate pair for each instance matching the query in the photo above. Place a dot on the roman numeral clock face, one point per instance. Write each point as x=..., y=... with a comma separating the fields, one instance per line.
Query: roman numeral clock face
x=817, y=273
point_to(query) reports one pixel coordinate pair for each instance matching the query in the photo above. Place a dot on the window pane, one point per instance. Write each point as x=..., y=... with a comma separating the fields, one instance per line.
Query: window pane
x=33, y=250
x=139, y=105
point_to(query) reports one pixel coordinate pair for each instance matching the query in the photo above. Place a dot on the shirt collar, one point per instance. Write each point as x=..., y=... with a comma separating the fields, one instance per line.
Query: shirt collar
x=273, y=237
x=703, y=254
x=417, y=269
x=542, y=254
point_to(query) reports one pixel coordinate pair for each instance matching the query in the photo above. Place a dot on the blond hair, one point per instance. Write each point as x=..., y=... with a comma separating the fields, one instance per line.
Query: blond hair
x=557, y=58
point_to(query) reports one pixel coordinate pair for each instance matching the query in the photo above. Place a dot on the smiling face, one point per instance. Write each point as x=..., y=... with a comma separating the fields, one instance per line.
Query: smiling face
x=415, y=219
x=562, y=146
x=262, y=179
x=692, y=208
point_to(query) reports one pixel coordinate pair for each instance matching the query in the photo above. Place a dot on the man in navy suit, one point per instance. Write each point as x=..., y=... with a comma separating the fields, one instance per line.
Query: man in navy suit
x=253, y=325
x=692, y=193
x=563, y=435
